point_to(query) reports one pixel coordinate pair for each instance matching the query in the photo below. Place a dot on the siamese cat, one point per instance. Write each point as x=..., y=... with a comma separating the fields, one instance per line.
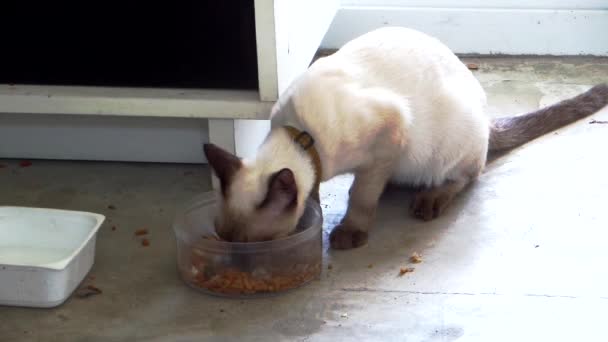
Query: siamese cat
x=393, y=105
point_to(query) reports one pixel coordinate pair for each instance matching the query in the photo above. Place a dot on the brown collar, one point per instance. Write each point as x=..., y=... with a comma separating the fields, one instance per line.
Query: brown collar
x=307, y=143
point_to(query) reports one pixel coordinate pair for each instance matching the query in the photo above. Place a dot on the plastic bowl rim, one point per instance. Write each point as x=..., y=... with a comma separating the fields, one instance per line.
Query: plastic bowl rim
x=247, y=247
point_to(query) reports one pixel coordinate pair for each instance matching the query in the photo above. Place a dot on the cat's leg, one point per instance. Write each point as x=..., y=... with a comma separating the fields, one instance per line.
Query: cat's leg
x=430, y=203
x=362, y=203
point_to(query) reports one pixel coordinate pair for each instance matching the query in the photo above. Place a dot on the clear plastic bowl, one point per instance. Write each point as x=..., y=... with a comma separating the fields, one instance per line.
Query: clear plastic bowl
x=245, y=269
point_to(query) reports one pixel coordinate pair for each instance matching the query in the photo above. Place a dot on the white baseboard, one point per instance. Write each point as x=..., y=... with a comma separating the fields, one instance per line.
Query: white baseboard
x=485, y=30
x=118, y=138
x=105, y=138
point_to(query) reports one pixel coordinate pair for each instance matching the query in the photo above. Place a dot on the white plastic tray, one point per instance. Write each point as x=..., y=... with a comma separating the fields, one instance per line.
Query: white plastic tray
x=44, y=254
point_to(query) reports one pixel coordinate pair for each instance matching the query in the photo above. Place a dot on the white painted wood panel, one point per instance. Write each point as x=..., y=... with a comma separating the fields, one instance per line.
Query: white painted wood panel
x=126, y=124
x=512, y=4
x=189, y=103
x=485, y=31
x=306, y=23
x=249, y=135
x=288, y=34
x=266, y=44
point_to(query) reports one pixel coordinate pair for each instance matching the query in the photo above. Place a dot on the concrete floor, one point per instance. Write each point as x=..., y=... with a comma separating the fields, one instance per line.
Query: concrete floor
x=521, y=256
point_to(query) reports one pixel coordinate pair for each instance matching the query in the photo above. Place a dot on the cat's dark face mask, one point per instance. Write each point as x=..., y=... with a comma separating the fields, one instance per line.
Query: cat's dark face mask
x=252, y=213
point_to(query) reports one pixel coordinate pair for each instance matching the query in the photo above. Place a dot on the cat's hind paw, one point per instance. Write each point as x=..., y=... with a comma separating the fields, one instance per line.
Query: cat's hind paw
x=429, y=204
x=347, y=237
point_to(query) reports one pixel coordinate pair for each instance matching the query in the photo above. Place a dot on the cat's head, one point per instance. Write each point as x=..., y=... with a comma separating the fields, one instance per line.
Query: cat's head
x=257, y=202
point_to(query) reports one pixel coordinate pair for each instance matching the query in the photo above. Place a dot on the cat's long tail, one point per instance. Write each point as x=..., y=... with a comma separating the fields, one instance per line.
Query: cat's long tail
x=510, y=132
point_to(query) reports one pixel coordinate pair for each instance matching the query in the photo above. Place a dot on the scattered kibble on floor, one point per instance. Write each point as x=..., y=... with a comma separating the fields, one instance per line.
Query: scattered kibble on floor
x=473, y=66
x=88, y=291
x=416, y=258
x=141, y=232
x=405, y=270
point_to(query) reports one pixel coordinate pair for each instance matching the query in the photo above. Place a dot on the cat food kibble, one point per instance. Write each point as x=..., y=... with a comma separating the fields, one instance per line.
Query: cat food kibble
x=230, y=280
x=405, y=270
x=416, y=258
x=140, y=232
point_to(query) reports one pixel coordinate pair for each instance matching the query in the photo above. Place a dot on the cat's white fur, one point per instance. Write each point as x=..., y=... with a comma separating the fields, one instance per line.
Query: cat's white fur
x=392, y=105
x=391, y=78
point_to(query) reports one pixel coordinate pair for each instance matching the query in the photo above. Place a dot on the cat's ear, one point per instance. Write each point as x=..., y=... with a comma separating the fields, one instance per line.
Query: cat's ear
x=223, y=163
x=282, y=192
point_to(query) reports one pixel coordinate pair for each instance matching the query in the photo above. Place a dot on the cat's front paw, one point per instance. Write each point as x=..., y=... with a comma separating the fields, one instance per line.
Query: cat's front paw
x=346, y=237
